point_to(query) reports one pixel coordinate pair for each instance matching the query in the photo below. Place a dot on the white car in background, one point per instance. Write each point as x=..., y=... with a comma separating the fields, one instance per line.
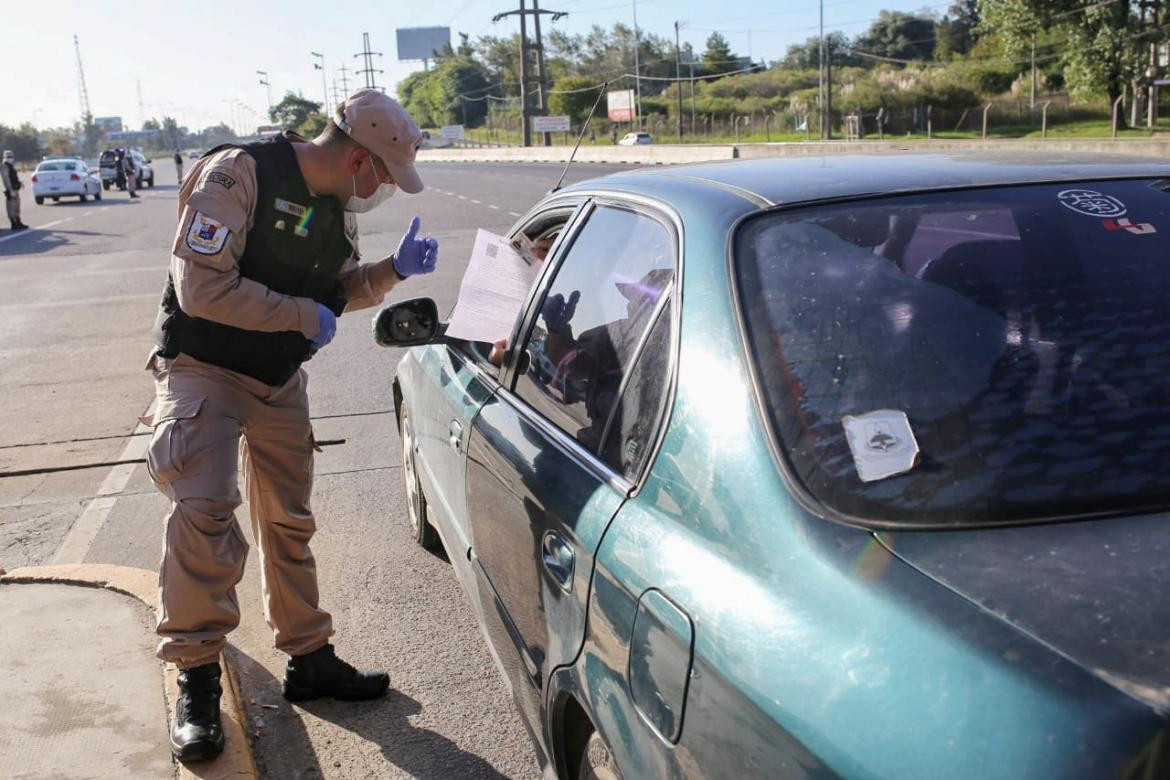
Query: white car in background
x=635, y=139
x=59, y=177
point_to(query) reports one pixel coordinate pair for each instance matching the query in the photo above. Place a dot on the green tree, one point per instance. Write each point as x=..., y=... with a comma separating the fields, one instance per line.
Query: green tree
x=172, y=134
x=572, y=96
x=899, y=36
x=292, y=111
x=958, y=30
x=718, y=58
x=23, y=141
x=312, y=126
x=1099, y=50
x=453, y=92
x=806, y=55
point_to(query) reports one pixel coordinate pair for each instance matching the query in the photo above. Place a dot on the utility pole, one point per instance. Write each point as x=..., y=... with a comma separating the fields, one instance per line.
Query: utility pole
x=678, y=78
x=344, y=81
x=141, y=108
x=829, y=91
x=637, y=67
x=324, y=88
x=368, y=58
x=527, y=110
x=821, y=71
x=263, y=74
x=1032, y=101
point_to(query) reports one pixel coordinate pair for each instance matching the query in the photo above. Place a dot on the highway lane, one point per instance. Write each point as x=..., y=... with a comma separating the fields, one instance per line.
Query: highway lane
x=77, y=300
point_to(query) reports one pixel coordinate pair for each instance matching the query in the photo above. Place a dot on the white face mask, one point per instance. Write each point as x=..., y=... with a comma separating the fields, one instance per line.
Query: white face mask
x=381, y=195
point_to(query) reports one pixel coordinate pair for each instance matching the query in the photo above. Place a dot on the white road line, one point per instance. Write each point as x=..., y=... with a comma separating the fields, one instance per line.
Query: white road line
x=86, y=213
x=85, y=529
x=462, y=197
x=493, y=206
x=32, y=229
x=514, y=214
x=473, y=200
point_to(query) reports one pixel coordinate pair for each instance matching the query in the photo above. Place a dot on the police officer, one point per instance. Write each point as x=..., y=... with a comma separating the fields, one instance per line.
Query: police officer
x=130, y=170
x=12, y=187
x=264, y=261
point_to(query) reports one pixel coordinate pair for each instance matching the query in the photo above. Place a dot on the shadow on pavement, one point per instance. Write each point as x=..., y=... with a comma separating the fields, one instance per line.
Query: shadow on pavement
x=419, y=752
x=384, y=722
x=35, y=242
x=259, y=692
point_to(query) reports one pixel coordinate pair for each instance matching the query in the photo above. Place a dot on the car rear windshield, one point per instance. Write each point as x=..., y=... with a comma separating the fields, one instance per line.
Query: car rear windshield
x=987, y=356
x=57, y=166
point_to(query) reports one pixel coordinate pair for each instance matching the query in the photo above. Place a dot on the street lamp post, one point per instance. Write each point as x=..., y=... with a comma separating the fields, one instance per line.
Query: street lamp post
x=324, y=88
x=263, y=74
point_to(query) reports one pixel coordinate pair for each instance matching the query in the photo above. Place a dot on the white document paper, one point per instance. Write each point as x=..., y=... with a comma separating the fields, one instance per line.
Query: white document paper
x=492, y=291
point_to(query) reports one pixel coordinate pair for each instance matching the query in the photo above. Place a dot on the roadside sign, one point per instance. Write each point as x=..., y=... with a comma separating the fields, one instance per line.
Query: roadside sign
x=452, y=132
x=550, y=124
x=620, y=104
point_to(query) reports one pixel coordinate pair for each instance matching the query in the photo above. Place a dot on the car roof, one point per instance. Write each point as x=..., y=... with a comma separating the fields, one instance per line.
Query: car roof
x=798, y=178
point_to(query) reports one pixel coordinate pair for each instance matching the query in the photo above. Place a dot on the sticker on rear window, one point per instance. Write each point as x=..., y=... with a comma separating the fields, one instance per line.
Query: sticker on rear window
x=1137, y=228
x=882, y=443
x=1091, y=203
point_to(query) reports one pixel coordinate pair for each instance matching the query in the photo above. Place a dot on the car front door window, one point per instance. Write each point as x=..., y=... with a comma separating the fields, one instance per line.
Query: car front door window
x=592, y=319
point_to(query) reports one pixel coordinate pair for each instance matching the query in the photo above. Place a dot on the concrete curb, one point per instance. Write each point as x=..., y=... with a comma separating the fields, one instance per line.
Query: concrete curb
x=672, y=154
x=236, y=761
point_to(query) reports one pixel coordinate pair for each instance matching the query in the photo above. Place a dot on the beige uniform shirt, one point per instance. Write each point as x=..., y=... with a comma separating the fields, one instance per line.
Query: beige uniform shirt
x=217, y=204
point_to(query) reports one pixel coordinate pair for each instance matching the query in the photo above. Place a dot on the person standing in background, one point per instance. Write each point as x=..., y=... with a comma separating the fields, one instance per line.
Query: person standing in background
x=12, y=187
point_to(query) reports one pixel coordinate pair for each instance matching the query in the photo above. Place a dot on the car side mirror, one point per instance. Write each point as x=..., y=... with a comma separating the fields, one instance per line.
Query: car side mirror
x=409, y=324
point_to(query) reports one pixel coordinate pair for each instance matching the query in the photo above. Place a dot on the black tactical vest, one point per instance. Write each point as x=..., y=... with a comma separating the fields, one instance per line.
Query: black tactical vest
x=296, y=247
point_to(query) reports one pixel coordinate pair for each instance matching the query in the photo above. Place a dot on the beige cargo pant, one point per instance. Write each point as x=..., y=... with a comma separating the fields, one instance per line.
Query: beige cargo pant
x=201, y=412
x=13, y=205
x=132, y=182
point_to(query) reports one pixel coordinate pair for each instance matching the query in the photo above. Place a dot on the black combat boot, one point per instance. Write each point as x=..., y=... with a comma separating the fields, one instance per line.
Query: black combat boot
x=196, y=733
x=321, y=673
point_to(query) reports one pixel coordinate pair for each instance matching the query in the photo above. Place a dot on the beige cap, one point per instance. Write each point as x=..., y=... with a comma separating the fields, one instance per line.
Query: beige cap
x=381, y=125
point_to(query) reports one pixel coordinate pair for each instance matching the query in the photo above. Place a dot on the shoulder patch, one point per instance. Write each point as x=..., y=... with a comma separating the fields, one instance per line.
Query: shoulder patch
x=206, y=235
x=222, y=179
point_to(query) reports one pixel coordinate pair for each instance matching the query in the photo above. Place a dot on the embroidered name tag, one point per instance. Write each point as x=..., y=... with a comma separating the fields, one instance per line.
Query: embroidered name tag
x=206, y=235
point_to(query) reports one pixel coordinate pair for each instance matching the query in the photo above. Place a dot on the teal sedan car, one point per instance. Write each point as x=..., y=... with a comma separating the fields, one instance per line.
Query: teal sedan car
x=849, y=466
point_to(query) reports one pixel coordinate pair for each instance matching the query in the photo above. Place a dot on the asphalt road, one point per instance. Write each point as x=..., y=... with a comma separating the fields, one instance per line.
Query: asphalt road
x=78, y=296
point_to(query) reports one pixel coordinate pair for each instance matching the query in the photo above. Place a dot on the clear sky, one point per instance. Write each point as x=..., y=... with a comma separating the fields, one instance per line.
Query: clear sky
x=198, y=61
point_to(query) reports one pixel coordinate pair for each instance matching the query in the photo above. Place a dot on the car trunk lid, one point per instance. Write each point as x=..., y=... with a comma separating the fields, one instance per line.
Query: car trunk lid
x=1094, y=591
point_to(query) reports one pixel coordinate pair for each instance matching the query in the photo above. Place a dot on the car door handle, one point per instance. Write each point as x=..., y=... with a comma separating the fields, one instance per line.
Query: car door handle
x=558, y=560
x=455, y=435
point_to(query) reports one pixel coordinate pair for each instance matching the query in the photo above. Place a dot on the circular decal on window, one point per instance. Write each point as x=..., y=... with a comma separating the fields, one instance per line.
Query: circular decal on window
x=1092, y=203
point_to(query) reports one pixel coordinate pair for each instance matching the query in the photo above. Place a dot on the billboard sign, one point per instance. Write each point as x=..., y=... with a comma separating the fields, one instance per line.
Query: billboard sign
x=452, y=132
x=550, y=124
x=421, y=43
x=109, y=124
x=620, y=105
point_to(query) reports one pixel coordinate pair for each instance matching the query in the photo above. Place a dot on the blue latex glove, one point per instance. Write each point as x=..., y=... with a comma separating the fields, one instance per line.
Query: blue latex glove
x=327, y=329
x=415, y=255
x=557, y=312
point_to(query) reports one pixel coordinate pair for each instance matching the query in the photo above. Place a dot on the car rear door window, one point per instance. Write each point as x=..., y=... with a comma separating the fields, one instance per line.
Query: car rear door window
x=592, y=320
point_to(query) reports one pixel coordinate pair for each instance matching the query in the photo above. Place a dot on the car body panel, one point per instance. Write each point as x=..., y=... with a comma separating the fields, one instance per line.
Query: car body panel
x=443, y=423
x=524, y=484
x=815, y=648
x=816, y=177
x=1087, y=589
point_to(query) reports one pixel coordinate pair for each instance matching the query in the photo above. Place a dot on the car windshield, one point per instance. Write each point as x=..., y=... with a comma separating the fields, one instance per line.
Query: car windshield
x=964, y=358
x=57, y=166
